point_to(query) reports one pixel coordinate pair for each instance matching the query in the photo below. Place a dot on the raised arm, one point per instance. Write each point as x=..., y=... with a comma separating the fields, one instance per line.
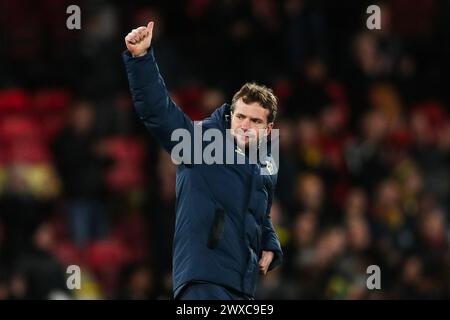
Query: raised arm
x=150, y=96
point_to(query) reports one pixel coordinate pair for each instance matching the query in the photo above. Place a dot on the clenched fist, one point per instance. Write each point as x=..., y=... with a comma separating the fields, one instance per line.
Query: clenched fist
x=138, y=40
x=265, y=261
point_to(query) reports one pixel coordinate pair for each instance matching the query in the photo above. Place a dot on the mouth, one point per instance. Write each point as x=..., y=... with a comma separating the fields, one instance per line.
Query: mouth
x=246, y=140
x=244, y=137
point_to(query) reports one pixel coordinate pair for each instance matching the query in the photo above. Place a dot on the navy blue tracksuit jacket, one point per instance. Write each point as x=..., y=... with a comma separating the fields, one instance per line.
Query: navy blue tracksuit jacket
x=222, y=210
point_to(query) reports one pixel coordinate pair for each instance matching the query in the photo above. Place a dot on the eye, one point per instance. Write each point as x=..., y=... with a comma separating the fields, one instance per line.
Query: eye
x=240, y=116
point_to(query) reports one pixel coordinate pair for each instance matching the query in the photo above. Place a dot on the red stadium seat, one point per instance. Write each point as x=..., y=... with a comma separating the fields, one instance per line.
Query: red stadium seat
x=190, y=98
x=13, y=101
x=3, y=154
x=127, y=171
x=106, y=258
x=19, y=128
x=67, y=253
x=51, y=125
x=106, y=253
x=131, y=230
x=28, y=152
x=50, y=108
x=51, y=100
x=22, y=140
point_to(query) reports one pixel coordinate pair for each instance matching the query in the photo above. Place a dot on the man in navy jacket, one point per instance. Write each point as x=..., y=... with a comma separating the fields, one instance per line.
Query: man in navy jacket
x=224, y=236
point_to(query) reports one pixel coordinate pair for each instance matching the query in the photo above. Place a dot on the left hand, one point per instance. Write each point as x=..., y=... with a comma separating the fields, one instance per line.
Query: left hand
x=264, y=262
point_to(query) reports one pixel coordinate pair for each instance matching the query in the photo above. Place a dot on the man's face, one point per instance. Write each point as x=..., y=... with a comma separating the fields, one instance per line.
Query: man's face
x=249, y=122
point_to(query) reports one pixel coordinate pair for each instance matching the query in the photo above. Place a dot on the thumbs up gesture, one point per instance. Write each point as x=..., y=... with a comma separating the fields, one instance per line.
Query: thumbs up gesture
x=138, y=40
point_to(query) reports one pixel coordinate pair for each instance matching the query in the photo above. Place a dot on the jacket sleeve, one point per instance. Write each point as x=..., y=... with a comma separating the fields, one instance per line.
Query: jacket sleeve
x=151, y=99
x=270, y=238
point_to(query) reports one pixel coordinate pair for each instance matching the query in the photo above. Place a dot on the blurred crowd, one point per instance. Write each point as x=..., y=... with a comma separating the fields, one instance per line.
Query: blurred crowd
x=364, y=173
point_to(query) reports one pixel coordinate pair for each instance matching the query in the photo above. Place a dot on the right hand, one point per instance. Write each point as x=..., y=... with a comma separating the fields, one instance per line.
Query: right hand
x=138, y=40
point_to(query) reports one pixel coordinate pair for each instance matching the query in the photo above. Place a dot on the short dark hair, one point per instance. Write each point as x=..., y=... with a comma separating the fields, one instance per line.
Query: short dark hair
x=252, y=92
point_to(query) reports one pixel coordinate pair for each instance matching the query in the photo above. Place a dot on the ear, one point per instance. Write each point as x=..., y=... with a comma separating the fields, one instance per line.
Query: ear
x=269, y=129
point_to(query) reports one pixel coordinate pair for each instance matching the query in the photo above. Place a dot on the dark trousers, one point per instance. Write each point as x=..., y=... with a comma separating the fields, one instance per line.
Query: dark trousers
x=209, y=291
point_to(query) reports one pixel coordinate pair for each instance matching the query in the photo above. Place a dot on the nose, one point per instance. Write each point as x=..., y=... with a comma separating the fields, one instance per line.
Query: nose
x=245, y=125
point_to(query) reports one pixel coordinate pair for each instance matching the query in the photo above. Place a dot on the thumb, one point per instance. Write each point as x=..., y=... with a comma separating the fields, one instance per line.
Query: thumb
x=150, y=27
x=262, y=261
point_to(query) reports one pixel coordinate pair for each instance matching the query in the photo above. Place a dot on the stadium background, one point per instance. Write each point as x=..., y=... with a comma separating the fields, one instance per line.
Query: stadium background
x=365, y=139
